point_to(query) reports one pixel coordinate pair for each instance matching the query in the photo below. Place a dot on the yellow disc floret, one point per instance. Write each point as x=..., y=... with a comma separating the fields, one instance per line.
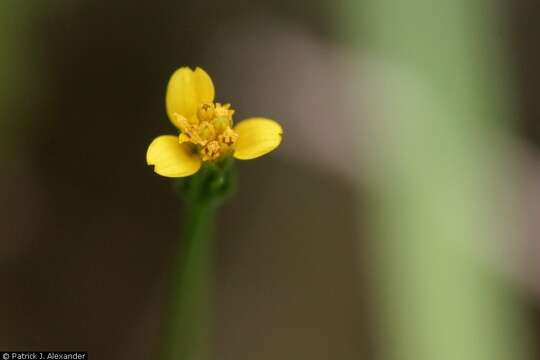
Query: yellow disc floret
x=211, y=151
x=210, y=131
x=206, y=132
x=228, y=138
x=206, y=112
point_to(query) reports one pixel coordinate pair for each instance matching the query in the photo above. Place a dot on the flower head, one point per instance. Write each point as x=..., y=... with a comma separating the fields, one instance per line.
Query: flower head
x=206, y=129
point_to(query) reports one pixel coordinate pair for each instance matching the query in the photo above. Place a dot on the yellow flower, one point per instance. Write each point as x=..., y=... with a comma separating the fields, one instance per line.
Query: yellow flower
x=206, y=129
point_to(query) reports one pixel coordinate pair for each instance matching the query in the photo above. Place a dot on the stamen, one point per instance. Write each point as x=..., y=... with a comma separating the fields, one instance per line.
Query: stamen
x=228, y=137
x=206, y=112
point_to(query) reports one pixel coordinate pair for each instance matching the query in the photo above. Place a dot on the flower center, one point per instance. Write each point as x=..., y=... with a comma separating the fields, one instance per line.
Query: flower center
x=210, y=130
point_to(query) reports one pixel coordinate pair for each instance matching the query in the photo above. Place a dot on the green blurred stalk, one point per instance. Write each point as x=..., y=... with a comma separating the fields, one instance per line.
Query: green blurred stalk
x=188, y=318
x=440, y=186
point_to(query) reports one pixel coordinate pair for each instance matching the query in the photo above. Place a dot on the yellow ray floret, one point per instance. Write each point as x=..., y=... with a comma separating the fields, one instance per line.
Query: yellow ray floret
x=188, y=89
x=206, y=129
x=256, y=137
x=172, y=159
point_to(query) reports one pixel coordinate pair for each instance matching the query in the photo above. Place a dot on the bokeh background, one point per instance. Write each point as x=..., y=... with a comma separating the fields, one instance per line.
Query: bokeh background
x=88, y=232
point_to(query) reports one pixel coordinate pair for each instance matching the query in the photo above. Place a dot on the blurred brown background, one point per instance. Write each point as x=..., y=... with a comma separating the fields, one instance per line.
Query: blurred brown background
x=87, y=230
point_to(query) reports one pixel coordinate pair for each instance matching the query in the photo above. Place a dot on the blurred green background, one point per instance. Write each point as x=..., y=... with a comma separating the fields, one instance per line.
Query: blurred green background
x=88, y=231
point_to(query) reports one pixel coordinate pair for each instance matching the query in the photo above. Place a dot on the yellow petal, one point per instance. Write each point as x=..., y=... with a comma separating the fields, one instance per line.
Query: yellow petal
x=172, y=159
x=187, y=89
x=256, y=137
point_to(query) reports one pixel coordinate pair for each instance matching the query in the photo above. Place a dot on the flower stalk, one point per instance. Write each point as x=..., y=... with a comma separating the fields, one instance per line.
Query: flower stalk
x=187, y=324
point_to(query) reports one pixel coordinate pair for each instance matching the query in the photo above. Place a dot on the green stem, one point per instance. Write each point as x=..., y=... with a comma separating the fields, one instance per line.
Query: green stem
x=187, y=322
